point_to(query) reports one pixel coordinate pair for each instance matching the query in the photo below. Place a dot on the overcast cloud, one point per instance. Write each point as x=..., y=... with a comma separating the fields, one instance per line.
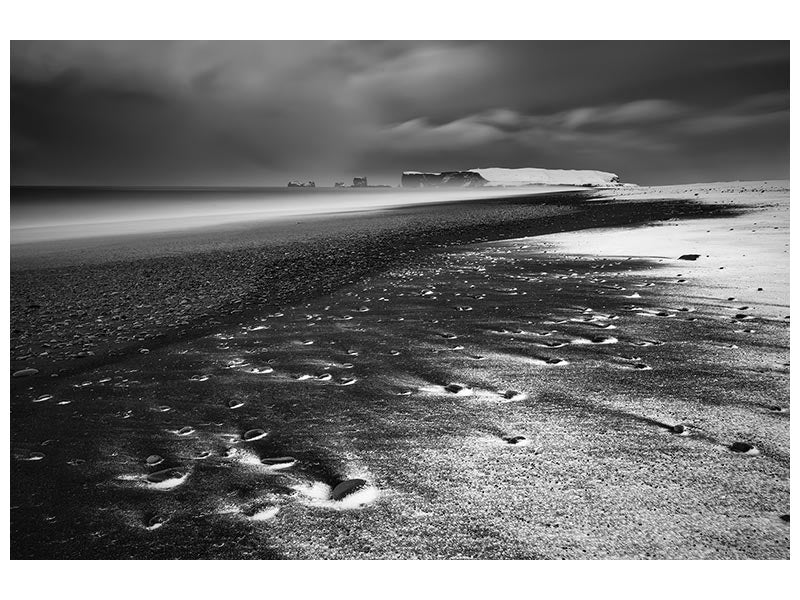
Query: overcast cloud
x=261, y=113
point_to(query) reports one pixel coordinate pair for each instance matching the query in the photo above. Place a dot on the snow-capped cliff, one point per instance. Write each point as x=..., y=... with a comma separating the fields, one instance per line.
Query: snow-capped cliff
x=497, y=176
x=533, y=176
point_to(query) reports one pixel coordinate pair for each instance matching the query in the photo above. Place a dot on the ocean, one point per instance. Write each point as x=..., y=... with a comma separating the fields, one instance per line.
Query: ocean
x=40, y=214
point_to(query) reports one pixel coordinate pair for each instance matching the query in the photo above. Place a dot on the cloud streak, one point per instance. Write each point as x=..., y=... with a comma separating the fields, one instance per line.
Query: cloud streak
x=260, y=113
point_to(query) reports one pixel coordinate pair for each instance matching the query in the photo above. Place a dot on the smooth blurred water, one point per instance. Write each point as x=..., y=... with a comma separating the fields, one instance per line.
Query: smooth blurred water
x=43, y=214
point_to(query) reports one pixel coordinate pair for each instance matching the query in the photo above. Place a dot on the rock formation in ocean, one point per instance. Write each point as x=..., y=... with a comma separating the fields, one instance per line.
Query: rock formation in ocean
x=510, y=177
x=298, y=184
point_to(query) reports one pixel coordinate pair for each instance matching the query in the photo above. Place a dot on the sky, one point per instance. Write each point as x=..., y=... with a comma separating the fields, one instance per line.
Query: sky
x=263, y=113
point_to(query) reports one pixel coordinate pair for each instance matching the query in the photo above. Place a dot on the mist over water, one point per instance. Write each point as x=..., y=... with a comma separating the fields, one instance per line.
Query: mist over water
x=48, y=214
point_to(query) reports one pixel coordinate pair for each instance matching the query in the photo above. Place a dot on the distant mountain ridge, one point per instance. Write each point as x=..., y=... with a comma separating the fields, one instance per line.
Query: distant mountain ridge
x=497, y=176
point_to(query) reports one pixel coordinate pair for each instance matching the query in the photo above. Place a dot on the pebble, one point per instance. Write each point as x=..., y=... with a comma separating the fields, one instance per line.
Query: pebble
x=168, y=478
x=254, y=434
x=25, y=372
x=280, y=462
x=515, y=439
x=347, y=488
x=742, y=447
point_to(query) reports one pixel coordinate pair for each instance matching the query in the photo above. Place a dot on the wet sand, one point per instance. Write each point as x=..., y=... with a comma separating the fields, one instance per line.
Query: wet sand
x=78, y=304
x=516, y=396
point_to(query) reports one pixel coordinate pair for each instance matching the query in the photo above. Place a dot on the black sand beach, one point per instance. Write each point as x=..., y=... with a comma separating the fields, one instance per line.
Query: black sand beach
x=488, y=395
x=80, y=303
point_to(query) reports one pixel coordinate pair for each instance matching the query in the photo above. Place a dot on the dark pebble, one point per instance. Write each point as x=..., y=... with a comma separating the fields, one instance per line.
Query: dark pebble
x=346, y=488
x=25, y=372
x=516, y=439
x=741, y=447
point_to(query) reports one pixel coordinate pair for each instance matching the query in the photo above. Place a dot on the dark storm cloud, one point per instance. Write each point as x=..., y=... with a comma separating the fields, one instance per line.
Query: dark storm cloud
x=242, y=113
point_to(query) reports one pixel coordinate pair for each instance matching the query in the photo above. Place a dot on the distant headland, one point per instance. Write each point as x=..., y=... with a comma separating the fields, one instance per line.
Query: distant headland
x=491, y=177
x=497, y=176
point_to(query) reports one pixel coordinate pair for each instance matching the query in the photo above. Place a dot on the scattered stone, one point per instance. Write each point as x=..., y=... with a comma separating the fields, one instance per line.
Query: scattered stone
x=155, y=522
x=25, y=372
x=743, y=447
x=260, y=370
x=280, y=462
x=153, y=460
x=254, y=434
x=514, y=440
x=556, y=361
x=168, y=478
x=34, y=456
x=347, y=488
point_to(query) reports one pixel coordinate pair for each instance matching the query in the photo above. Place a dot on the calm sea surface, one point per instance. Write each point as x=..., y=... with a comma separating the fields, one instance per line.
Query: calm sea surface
x=44, y=214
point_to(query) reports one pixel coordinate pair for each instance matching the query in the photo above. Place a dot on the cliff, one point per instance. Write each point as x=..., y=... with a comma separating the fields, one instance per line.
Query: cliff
x=510, y=177
x=449, y=179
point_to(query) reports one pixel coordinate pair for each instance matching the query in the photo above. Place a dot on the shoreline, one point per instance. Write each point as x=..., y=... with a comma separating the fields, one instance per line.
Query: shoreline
x=531, y=397
x=48, y=217
x=122, y=306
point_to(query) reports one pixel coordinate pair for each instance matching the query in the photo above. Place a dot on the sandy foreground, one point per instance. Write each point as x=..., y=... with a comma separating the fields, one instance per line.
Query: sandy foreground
x=579, y=394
